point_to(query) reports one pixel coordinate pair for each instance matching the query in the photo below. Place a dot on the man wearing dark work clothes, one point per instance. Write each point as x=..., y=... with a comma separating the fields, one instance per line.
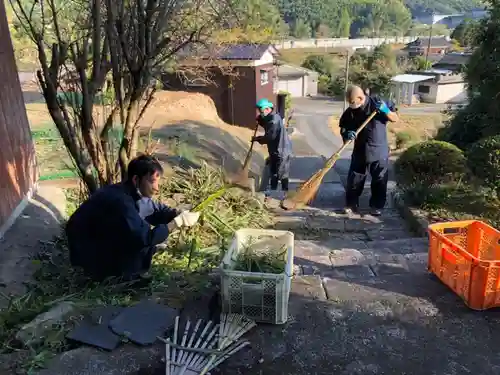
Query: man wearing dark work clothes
x=371, y=148
x=115, y=232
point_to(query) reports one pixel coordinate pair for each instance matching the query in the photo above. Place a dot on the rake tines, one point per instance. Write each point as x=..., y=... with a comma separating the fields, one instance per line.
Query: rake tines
x=196, y=354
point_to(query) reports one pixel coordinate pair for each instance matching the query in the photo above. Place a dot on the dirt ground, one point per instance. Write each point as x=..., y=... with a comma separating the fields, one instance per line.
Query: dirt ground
x=183, y=126
x=37, y=225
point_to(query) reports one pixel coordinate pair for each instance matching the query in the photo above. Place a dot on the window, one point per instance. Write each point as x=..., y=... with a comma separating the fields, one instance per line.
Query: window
x=424, y=89
x=264, y=77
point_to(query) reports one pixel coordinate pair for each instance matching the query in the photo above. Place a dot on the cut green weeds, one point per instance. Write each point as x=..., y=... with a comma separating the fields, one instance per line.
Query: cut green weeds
x=262, y=257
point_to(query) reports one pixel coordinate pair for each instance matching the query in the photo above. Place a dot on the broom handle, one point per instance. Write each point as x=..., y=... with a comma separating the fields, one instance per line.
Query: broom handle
x=344, y=146
x=249, y=154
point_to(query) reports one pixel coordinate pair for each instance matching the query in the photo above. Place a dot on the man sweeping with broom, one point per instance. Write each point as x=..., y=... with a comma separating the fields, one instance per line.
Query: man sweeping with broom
x=371, y=148
x=278, y=144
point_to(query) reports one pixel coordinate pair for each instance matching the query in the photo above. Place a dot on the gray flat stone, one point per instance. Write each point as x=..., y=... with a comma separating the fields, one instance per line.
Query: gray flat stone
x=348, y=241
x=126, y=360
x=328, y=223
x=347, y=257
x=314, y=265
x=306, y=249
x=372, y=223
x=290, y=223
x=400, y=245
x=35, y=331
x=417, y=262
x=386, y=234
x=309, y=287
x=382, y=269
x=352, y=272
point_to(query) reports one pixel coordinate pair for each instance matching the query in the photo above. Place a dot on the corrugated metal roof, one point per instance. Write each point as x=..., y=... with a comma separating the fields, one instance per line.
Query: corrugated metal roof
x=410, y=78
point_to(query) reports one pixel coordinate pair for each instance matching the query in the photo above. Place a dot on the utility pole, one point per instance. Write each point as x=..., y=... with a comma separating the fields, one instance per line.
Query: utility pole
x=429, y=44
x=346, y=78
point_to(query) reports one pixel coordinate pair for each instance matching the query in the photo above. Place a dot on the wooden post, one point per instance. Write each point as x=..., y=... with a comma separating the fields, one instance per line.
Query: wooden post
x=346, y=78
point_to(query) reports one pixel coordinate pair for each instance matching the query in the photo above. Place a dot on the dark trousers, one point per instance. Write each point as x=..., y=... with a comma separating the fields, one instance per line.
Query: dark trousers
x=130, y=266
x=280, y=170
x=140, y=262
x=356, y=182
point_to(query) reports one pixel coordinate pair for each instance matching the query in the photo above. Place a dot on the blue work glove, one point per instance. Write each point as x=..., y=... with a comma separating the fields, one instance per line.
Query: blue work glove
x=383, y=108
x=347, y=135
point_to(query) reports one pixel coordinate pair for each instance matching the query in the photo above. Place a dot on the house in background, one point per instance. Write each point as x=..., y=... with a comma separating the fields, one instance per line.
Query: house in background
x=453, y=61
x=235, y=94
x=435, y=45
x=430, y=86
x=299, y=82
x=18, y=173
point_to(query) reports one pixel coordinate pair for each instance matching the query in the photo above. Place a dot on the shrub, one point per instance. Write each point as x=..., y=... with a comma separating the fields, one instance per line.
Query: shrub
x=404, y=139
x=484, y=161
x=324, y=84
x=318, y=63
x=430, y=162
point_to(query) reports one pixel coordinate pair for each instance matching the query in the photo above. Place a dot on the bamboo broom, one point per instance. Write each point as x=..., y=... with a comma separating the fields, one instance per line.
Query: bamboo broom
x=308, y=190
x=241, y=179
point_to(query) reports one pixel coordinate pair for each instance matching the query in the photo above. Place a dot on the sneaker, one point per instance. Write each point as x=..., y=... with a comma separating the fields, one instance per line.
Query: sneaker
x=375, y=212
x=350, y=210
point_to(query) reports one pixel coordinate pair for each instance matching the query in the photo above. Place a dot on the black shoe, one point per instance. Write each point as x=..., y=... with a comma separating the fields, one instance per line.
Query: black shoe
x=375, y=212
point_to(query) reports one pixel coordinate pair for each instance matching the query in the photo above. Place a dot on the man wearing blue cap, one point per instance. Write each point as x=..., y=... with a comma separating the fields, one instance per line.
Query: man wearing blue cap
x=278, y=143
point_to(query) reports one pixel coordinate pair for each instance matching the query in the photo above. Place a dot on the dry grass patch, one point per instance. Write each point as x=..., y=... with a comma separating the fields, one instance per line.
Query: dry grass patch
x=184, y=124
x=297, y=56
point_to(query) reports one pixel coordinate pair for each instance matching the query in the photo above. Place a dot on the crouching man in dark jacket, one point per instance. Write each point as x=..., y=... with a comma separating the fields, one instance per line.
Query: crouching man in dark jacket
x=278, y=144
x=371, y=148
x=111, y=234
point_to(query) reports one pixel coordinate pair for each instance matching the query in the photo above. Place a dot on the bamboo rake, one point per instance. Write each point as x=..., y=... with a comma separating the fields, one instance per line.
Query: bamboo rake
x=197, y=354
x=308, y=190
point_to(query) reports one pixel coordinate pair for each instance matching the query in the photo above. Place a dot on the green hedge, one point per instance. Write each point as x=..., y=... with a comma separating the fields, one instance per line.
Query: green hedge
x=430, y=162
x=484, y=161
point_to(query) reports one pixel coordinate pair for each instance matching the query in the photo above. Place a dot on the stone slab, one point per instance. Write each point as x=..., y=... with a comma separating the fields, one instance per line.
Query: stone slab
x=353, y=272
x=400, y=245
x=304, y=249
x=308, y=287
x=385, y=234
x=347, y=257
x=126, y=360
x=143, y=322
x=328, y=223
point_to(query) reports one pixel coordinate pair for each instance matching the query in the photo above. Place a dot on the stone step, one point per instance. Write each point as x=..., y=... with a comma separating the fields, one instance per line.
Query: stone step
x=342, y=257
x=317, y=224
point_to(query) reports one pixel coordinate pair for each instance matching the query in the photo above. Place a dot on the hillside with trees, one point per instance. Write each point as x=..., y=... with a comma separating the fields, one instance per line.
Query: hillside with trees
x=370, y=18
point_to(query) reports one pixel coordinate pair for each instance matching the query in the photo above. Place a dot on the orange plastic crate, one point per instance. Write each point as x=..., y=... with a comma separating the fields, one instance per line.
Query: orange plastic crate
x=465, y=255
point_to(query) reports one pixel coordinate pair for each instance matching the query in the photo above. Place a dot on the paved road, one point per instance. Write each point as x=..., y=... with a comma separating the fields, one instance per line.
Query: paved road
x=324, y=106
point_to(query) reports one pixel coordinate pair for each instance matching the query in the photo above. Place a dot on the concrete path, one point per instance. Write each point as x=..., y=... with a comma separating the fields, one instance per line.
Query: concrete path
x=362, y=301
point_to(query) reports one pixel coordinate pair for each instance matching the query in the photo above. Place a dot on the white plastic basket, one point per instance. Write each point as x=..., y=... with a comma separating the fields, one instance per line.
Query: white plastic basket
x=262, y=297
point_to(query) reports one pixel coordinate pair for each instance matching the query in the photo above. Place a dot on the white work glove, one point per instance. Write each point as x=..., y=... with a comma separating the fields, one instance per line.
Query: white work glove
x=186, y=219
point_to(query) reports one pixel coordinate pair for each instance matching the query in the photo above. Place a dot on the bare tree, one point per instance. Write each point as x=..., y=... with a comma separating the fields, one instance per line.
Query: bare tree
x=99, y=64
